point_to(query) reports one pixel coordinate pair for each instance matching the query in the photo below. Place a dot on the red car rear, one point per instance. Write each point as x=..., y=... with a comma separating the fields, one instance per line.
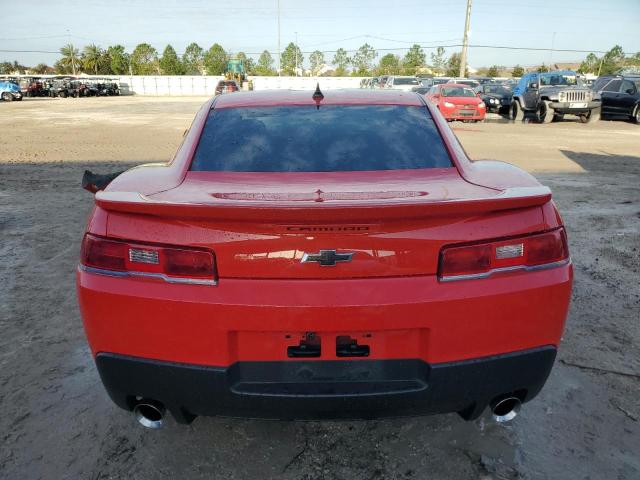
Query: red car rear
x=323, y=256
x=457, y=102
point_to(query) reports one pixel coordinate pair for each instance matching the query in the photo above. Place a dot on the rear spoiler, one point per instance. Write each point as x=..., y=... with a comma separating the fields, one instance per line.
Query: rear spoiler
x=137, y=203
x=93, y=182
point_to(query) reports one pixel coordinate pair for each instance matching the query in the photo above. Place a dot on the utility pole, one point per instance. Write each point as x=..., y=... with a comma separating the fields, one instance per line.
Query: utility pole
x=465, y=42
x=553, y=43
x=296, y=72
x=279, y=58
x=73, y=57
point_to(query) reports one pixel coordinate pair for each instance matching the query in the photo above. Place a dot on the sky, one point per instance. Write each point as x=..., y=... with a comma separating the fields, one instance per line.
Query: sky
x=390, y=26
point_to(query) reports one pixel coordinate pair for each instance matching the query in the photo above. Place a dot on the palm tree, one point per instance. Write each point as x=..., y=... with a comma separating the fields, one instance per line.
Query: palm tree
x=91, y=57
x=69, y=57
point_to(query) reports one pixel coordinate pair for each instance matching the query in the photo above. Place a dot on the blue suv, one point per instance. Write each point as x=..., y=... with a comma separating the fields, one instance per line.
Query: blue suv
x=10, y=91
x=551, y=95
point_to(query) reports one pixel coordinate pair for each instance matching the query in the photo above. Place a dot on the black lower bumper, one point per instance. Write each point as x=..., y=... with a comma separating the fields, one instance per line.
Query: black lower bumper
x=326, y=389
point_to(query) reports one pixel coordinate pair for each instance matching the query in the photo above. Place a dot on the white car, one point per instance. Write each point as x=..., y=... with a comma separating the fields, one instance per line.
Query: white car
x=402, y=83
x=473, y=84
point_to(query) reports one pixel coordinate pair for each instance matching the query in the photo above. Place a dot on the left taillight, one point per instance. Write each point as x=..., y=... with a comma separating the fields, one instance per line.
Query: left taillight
x=172, y=264
x=480, y=260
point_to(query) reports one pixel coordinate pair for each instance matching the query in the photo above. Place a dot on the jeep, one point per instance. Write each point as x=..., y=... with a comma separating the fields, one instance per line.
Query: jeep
x=552, y=95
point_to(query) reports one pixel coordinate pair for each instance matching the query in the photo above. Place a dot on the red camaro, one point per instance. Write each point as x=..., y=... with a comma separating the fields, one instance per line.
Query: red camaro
x=323, y=256
x=457, y=102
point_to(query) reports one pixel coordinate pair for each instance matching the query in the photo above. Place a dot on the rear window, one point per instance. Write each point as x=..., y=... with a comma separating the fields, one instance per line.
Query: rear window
x=329, y=139
x=457, y=92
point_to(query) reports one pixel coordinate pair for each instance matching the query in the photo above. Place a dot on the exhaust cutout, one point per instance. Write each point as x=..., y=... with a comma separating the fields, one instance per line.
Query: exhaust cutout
x=149, y=413
x=505, y=409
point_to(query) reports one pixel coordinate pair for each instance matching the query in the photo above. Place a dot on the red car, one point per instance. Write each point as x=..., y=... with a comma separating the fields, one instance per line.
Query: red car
x=323, y=256
x=457, y=102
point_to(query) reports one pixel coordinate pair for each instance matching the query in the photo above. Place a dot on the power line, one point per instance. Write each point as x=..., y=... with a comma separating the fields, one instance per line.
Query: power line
x=28, y=51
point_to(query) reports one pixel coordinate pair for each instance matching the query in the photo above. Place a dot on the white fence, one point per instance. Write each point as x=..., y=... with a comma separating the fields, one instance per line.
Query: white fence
x=206, y=85
x=161, y=85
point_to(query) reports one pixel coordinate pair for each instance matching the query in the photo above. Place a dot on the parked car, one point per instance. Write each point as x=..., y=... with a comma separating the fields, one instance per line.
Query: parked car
x=322, y=256
x=457, y=102
x=9, y=91
x=620, y=96
x=226, y=86
x=483, y=80
x=552, y=95
x=382, y=81
x=421, y=90
x=63, y=88
x=474, y=84
x=440, y=80
x=402, y=83
x=496, y=97
x=426, y=82
x=33, y=87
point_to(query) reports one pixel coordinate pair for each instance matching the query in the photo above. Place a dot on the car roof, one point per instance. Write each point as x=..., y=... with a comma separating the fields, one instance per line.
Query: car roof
x=275, y=98
x=557, y=72
x=448, y=85
x=620, y=75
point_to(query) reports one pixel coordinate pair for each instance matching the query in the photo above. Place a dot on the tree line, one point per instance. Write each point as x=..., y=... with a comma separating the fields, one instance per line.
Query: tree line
x=145, y=60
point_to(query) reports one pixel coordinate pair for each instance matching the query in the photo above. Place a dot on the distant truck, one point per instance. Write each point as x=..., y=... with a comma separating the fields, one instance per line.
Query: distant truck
x=9, y=91
x=551, y=95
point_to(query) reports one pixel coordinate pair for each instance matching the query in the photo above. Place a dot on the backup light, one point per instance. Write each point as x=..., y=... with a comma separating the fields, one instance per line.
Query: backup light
x=137, y=255
x=510, y=251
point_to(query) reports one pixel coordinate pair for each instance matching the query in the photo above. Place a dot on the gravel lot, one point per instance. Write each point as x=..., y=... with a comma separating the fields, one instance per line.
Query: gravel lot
x=57, y=421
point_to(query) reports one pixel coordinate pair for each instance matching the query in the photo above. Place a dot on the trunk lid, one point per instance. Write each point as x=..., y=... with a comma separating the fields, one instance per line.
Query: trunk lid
x=369, y=224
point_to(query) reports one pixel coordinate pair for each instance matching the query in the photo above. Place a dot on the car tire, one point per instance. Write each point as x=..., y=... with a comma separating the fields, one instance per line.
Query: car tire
x=516, y=113
x=62, y=94
x=7, y=97
x=18, y=99
x=636, y=115
x=592, y=116
x=545, y=113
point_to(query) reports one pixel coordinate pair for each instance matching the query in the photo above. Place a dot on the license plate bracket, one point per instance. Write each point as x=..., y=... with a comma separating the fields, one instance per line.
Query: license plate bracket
x=578, y=105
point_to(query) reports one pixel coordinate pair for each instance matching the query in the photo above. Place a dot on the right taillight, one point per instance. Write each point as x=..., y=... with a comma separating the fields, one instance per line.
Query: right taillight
x=171, y=264
x=480, y=260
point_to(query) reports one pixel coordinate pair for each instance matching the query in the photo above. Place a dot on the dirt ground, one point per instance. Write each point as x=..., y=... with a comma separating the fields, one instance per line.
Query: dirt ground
x=58, y=423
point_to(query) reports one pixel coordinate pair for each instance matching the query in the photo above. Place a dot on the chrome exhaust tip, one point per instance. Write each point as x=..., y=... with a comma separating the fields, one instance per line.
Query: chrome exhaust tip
x=149, y=413
x=505, y=409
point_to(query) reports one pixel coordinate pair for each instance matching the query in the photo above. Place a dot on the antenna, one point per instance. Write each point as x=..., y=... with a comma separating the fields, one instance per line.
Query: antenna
x=317, y=96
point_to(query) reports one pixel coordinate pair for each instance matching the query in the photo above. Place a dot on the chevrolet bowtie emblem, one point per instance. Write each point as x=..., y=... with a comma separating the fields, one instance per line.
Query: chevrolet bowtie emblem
x=326, y=258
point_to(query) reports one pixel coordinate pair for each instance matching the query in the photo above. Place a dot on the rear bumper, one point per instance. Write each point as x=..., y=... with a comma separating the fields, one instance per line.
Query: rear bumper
x=326, y=389
x=224, y=350
x=258, y=320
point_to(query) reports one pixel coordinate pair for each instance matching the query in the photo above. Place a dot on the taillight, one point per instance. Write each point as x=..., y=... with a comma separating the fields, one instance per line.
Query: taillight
x=482, y=259
x=172, y=264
